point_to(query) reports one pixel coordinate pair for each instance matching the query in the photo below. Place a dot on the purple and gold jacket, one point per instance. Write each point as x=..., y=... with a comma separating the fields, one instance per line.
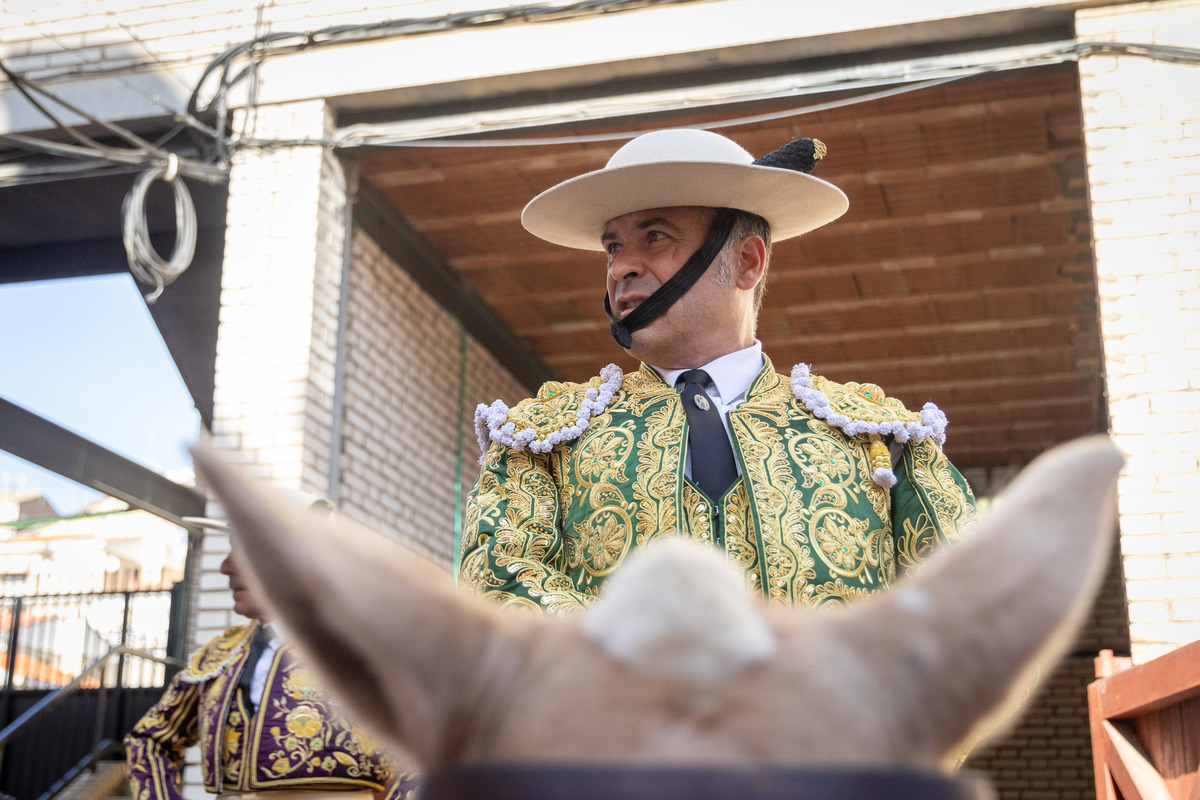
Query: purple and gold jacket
x=296, y=739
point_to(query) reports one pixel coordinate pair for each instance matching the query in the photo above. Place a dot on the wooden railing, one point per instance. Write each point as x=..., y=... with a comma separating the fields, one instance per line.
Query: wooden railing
x=1145, y=722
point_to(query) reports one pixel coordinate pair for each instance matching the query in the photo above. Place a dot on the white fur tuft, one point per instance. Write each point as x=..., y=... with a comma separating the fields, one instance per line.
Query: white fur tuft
x=680, y=612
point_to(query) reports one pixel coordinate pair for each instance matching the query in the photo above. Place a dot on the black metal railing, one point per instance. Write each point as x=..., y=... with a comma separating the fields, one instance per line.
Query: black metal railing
x=78, y=672
x=48, y=639
x=58, y=742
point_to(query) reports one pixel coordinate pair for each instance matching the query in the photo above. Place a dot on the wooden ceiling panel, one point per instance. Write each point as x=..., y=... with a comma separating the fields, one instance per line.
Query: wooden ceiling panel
x=961, y=275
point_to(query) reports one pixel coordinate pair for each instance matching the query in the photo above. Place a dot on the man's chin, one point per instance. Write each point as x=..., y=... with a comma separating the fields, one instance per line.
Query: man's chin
x=646, y=346
x=246, y=610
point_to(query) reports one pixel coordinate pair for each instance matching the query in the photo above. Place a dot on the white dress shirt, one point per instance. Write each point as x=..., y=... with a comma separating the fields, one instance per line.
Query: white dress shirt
x=258, y=681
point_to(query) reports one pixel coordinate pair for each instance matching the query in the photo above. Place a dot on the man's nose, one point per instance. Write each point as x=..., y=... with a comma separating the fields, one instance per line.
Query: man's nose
x=625, y=264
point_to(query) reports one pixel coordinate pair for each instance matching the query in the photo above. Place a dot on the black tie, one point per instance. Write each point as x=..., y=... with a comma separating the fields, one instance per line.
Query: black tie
x=713, y=467
x=259, y=643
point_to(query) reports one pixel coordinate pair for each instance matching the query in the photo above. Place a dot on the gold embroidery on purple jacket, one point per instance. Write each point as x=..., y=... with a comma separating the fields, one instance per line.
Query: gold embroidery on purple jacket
x=297, y=738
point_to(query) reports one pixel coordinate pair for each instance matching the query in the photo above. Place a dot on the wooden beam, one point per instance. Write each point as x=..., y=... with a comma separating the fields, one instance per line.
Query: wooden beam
x=1161, y=682
x=1102, y=775
x=1134, y=774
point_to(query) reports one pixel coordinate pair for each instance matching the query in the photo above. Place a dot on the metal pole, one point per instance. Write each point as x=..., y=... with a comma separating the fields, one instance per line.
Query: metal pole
x=10, y=664
x=14, y=628
x=122, y=643
x=178, y=615
x=101, y=711
x=333, y=489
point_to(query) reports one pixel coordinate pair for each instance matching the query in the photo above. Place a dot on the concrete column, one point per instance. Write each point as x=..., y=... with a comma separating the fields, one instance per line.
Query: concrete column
x=1142, y=133
x=276, y=343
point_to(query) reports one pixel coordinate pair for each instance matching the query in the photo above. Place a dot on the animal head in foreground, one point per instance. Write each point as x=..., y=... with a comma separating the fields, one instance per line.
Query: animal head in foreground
x=676, y=663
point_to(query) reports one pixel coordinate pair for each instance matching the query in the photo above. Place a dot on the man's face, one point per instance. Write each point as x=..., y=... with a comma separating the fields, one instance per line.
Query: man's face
x=244, y=602
x=645, y=249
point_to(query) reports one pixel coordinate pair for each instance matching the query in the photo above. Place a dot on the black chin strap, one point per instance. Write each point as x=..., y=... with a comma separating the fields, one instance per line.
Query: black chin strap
x=666, y=295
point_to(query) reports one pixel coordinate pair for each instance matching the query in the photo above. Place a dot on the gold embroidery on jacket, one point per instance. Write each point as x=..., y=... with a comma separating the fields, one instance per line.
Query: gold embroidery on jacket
x=948, y=500
x=601, y=457
x=739, y=544
x=850, y=544
x=835, y=592
x=864, y=402
x=697, y=515
x=604, y=536
x=770, y=476
x=235, y=729
x=947, y=508
x=312, y=740
x=481, y=507
x=555, y=406
x=655, y=487
x=525, y=541
x=598, y=462
x=807, y=519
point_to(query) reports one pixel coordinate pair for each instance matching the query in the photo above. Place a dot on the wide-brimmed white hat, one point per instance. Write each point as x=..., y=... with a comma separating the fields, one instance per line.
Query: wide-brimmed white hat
x=681, y=167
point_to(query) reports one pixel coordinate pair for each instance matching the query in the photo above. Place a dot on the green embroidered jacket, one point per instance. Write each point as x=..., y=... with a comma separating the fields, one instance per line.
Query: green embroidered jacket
x=577, y=478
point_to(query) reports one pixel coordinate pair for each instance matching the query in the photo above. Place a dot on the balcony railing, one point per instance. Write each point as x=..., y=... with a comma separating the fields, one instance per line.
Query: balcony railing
x=78, y=671
x=47, y=640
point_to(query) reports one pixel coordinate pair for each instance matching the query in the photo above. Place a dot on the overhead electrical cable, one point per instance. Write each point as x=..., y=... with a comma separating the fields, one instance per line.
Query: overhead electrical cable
x=227, y=70
x=144, y=261
x=295, y=41
x=143, y=150
x=366, y=135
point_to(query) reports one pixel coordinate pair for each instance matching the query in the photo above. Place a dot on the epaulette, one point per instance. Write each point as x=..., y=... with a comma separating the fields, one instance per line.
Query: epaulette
x=211, y=659
x=862, y=409
x=559, y=413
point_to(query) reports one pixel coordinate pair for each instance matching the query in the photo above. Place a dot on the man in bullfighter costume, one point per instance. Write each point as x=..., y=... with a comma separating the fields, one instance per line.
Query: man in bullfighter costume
x=821, y=492
x=262, y=723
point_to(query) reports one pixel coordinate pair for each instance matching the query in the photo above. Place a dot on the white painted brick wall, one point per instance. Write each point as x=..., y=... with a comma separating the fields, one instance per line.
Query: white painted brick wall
x=1140, y=118
x=404, y=408
x=123, y=60
x=279, y=297
x=272, y=360
x=276, y=351
x=58, y=41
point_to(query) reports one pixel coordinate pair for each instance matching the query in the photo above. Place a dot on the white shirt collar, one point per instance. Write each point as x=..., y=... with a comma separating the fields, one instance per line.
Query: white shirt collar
x=275, y=632
x=731, y=374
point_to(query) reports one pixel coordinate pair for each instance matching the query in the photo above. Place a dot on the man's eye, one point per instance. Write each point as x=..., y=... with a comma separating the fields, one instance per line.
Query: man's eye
x=611, y=248
x=654, y=236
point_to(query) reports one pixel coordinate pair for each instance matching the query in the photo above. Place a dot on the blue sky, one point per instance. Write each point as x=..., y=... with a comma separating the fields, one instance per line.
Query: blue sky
x=85, y=354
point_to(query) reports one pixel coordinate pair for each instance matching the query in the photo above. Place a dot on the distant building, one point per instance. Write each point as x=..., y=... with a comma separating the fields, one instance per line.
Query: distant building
x=79, y=585
x=106, y=547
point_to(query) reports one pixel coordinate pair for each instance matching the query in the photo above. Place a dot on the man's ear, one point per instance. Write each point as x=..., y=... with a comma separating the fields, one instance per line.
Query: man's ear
x=750, y=262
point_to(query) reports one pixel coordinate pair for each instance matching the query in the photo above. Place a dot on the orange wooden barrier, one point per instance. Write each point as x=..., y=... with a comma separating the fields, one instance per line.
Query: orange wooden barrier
x=1145, y=723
